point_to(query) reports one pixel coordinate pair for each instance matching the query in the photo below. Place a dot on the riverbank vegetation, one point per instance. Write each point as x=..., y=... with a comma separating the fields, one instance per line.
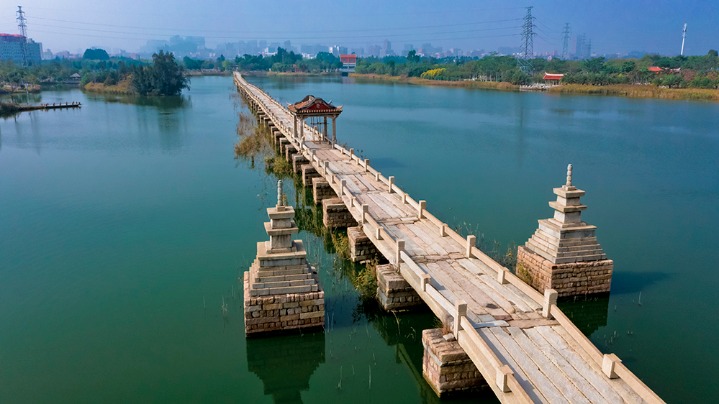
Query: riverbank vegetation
x=163, y=75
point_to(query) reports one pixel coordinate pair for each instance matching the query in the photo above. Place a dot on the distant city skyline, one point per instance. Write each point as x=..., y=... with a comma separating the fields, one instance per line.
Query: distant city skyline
x=611, y=26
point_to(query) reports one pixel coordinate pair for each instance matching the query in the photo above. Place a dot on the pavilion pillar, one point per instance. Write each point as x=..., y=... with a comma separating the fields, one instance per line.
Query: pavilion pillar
x=334, y=129
x=324, y=128
x=294, y=133
x=302, y=129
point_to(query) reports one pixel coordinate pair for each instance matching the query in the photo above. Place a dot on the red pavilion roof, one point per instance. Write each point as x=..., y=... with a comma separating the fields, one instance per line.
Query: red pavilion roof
x=311, y=105
x=553, y=76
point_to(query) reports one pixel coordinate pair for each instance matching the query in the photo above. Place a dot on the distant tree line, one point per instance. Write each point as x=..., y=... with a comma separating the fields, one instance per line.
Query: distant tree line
x=161, y=76
x=282, y=61
x=678, y=71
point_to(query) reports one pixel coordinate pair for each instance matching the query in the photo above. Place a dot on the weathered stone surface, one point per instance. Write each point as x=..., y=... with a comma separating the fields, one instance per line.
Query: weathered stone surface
x=335, y=214
x=298, y=160
x=563, y=254
x=281, y=290
x=322, y=190
x=361, y=247
x=570, y=279
x=393, y=292
x=445, y=365
x=308, y=172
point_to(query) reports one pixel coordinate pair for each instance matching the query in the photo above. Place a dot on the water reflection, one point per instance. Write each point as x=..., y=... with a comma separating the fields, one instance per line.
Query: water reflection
x=285, y=363
x=588, y=313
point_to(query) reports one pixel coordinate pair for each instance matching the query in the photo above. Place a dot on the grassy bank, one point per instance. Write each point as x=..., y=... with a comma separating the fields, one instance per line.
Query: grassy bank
x=620, y=90
x=639, y=91
x=485, y=85
x=124, y=87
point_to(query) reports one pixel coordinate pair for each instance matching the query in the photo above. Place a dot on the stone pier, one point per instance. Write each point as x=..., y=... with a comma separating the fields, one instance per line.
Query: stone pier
x=445, y=365
x=361, y=247
x=290, y=151
x=308, y=173
x=563, y=254
x=335, y=214
x=322, y=190
x=298, y=160
x=393, y=292
x=281, y=290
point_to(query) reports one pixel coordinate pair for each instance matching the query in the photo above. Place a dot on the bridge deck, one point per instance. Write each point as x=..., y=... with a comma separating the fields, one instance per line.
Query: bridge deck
x=548, y=359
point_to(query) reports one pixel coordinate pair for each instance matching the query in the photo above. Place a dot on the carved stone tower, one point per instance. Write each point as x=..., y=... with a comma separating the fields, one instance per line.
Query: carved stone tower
x=281, y=290
x=563, y=254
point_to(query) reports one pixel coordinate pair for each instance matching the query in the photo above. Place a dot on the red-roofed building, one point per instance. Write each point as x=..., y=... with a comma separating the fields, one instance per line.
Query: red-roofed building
x=553, y=78
x=349, y=62
x=655, y=69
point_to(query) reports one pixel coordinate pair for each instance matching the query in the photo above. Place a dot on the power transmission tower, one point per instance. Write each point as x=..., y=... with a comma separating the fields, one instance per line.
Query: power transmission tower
x=22, y=26
x=684, y=36
x=565, y=44
x=527, y=41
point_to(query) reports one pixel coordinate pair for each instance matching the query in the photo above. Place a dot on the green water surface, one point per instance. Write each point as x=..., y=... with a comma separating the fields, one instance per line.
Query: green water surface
x=125, y=224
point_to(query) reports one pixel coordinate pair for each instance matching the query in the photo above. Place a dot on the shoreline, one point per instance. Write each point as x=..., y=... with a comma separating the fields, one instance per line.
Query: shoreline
x=616, y=90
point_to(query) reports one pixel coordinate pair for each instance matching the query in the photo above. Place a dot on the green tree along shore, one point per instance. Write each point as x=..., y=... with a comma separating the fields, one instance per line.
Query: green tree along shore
x=162, y=76
x=669, y=77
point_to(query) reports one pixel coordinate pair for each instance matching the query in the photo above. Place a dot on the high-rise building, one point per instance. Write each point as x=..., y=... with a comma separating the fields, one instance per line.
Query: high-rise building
x=17, y=49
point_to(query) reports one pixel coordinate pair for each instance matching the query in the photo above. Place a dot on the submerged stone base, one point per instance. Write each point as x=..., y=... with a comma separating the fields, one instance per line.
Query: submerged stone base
x=393, y=292
x=445, y=365
x=282, y=312
x=568, y=279
x=361, y=247
x=335, y=214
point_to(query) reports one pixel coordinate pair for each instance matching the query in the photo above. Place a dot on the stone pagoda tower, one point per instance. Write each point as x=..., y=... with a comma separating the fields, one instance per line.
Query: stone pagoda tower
x=563, y=254
x=281, y=290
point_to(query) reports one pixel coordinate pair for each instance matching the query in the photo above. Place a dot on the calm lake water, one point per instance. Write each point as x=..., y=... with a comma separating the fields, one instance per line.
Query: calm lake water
x=124, y=227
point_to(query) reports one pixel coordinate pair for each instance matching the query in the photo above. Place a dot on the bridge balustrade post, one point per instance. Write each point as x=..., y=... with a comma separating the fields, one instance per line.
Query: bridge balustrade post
x=352, y=153
x=378, y=233
x=398, y=253
x=443, y=230
x=404, y=198
x=391, y=183
x=460, y=310
x=324, y=167
x=376, y=176
x=365, y=209
x=609, y=361
x=501, y=380
x=421, y=208
x=550, y=299
x=501, y=276
x=343, y=183
x=366, y=165
x=471, y=241
x=424, y=281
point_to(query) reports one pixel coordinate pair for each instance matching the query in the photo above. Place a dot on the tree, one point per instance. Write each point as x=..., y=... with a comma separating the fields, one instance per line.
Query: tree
x=95, y=54
x=164, y=77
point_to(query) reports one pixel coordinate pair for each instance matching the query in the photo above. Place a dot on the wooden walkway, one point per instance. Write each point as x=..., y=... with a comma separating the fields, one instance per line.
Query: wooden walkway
x=524, y=346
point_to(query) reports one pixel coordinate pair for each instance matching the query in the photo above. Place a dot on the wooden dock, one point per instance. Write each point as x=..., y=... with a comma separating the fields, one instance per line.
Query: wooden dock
x=13, y=108
x=524, y=346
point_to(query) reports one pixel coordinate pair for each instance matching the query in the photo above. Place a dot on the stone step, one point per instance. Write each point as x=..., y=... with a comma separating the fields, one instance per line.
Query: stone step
x=282, y=284
x=283, y=278
x=283, y=290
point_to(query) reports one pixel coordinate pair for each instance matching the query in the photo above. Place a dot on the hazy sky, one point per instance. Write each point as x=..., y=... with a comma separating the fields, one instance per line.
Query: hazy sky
x=612, y=25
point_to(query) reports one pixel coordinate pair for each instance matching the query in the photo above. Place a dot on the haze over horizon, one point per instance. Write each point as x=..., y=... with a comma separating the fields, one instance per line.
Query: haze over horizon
x=612, y=26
